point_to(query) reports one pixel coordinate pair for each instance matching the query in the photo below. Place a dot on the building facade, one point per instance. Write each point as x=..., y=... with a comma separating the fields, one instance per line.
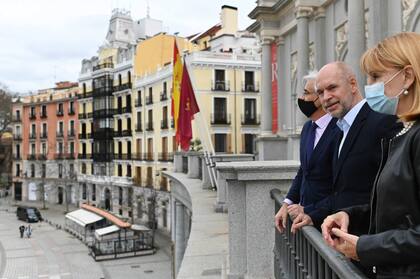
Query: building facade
x=45, y=145
x=305, y=35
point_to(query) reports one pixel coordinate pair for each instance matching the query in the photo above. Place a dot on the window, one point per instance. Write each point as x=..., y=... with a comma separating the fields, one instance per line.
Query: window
x=84, y=191
x=220, y=83
x=33, y=130
x=60, y=109
x=17, y=170
x=119, y=170
x=32, y=115
x=61, y=127
x=32, y=170
x=128, y=171
x=44, y=148
x=120, y=196
x=60, y=170
x=220, y=142
x=17, y=114
x=84, y=168
x=71, y=131
x=18, y=150
x=71, y=147
x=249, y=81
x=71, y=107
x=249, y=143
x=129, y=124
x=93, y=192
x=60, y=148
x=44, y=111
x=33, y=150
x=44, y=170
x=71, y=170
x=220, y=111
x=250, y=110
x=84, y=87
x=44, y=130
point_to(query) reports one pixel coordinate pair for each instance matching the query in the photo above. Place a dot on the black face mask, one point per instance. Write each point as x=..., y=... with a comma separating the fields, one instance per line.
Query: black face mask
x=307, y=107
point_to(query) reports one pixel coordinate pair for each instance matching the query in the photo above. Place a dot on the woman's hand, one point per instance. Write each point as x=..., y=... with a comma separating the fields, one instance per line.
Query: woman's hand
x=345, y=243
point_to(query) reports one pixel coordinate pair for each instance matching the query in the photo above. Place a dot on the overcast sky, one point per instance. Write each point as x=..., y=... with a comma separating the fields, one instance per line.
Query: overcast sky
x=44, y=41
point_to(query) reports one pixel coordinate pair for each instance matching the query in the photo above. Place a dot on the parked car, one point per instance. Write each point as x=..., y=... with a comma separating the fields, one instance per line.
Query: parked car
x=28, y=214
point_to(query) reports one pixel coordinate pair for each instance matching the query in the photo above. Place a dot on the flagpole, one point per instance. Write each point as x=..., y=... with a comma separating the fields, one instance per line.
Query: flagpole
x=205, y=135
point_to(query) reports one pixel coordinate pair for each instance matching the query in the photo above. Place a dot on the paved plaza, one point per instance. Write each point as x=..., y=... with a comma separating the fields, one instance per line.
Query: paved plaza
x=53, y=253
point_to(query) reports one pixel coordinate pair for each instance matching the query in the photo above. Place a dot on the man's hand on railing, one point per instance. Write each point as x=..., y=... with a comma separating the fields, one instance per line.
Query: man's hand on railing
x=345, y=243
x=301, y=220
x=294, y=210
x=338, y=220
x=281, y=218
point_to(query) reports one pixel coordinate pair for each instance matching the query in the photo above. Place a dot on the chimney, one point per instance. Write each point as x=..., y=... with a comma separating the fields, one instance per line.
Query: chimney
x=229, y=19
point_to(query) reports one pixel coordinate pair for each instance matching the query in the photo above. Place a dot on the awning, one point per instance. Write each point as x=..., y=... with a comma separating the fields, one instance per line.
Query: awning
x=110, y=217
x=83, y=217
x=106, y=230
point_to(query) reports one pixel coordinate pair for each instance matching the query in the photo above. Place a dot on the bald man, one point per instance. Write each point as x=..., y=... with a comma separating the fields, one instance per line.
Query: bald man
x=358, y=151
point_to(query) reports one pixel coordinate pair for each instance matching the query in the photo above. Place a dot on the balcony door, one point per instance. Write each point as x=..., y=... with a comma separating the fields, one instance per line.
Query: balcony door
x=250, y=109
x=220, y=110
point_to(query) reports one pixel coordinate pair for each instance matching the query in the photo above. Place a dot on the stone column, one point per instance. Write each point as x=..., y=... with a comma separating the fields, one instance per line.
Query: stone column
x=178, y=162
x=266, y=114
x=356, y=37
x=302, y=17
x=284, y=114
x=320, y=55
x=193, y=164
x=377, y=22
x=179, y=234
x=394, y=17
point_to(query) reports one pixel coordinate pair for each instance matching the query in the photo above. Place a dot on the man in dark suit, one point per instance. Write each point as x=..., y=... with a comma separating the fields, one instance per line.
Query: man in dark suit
x=314, y=178
x=357, y=155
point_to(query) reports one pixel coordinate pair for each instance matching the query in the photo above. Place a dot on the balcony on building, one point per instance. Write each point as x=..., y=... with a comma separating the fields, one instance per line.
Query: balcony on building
x=138, y=156
x=250, y=87
x=163, y=96
x=17, y=137
x=85, y=156
x=72, y=111
x=137, y=181
x=149, y=156
x=122, y=110
x=43, y=114
x=60, y=156
x=122, y=87
x=71, y=133
x=103, y=157
x=164, y=124
x=44, y=135
x=166, y=156
x=60, y=134
x=83, y=115
x=149, y=100
x=106, y=65
x=42, y=156
x=123, y=156
x=138, y=103
x=149, y=182
x=32, y=116
x=60, y=113
x=139, y=128
x=31, y=157
x=220, y=118
x=250, y=120
x=16, y=118
x=17, y=156
x=85, y=95
x=103, y=113
x=122, y=133
x=102, y=91
x=220, y=85
x=70, y=156
x=32, y=136
x=149, y=126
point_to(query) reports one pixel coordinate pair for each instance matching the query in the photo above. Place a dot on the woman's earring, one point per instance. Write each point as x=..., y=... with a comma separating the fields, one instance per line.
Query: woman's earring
x=405, y=92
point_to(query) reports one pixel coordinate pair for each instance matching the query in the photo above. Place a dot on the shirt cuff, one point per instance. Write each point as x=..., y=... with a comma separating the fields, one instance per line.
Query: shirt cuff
x=289, y=202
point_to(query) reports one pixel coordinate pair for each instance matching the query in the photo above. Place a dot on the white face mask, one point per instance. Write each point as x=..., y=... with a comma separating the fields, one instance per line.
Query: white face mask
x=378, y=101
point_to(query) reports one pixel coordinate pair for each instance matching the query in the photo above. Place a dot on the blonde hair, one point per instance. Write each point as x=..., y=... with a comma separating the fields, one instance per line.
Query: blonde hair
x=397, y=51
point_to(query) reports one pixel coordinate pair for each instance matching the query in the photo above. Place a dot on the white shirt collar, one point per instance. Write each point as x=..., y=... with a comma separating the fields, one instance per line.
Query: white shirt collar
x=350, y=116
x=323, y=121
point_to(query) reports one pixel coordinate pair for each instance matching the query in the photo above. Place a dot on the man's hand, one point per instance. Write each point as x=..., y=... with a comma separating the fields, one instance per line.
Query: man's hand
x=301, y=220
x=294, y=210
x=345, y=243
x=281, y=218
x=339, y=220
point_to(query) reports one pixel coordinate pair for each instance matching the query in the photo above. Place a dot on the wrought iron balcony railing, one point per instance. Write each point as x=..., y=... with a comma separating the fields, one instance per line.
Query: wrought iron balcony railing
x=250, y=120
x=220, y=85
x=250, y=87
x=220, y=118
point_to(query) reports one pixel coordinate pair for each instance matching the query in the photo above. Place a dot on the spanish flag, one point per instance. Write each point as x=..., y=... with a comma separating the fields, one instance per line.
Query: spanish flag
x=187, y=108
x=176, y=89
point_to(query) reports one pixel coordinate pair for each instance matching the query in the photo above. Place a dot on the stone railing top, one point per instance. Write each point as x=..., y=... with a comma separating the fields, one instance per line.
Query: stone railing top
x=189, y=153
x=258, y=170
x=231, y=157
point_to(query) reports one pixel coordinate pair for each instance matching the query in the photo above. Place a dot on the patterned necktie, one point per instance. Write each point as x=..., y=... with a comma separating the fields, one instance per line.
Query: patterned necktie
x=310, y=142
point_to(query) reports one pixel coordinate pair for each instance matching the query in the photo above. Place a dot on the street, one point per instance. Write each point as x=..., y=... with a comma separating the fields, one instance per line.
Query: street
x=53, y=253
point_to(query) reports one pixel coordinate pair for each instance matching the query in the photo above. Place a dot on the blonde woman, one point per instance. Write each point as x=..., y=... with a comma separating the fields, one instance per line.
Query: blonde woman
x=392, y=245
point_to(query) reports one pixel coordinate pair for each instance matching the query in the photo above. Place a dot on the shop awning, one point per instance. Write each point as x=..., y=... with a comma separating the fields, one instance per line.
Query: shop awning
x=83, y=217
x=106, y=230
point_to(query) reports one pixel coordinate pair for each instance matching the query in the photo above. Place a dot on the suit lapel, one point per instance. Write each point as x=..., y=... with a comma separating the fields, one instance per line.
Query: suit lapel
x=351, y=138
x=329, y=132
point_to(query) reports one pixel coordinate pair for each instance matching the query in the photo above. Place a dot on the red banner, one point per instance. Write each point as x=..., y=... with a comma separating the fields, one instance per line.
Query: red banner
x=274, y=95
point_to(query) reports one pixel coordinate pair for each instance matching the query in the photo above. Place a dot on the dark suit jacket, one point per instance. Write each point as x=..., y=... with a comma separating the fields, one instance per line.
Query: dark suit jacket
x=358, y=164
x=313, y=181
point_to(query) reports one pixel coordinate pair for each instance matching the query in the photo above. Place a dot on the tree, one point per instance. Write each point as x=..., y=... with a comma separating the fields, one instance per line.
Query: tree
x=5, y=107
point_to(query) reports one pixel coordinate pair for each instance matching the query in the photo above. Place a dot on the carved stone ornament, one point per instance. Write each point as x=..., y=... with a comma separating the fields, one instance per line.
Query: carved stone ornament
x=408, y=8
x=293, y=65
x=311, y=56
x=341, y=39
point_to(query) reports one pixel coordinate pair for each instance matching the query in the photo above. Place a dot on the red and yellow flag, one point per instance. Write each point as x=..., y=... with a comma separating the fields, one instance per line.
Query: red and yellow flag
x=176, y=89
x=187, y=108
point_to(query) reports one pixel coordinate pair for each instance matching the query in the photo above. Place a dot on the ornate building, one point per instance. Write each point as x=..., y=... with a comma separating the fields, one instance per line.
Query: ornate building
x=304, y=35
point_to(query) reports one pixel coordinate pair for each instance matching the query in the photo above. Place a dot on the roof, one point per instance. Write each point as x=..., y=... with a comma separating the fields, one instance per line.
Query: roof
x=106, y=230
x=110, y=217
x=83, y=217
x=209, y=32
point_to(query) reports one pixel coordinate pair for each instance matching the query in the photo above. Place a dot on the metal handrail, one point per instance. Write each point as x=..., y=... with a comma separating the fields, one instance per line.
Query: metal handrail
x=306, y=255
